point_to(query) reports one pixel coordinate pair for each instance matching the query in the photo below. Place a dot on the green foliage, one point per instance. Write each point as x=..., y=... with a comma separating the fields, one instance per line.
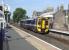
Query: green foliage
x=19, y=14
x=62, y=7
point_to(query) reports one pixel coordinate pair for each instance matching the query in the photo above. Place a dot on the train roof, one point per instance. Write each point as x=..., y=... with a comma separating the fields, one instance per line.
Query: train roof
x=26, y=19
x=29, y=19
x=48, y=14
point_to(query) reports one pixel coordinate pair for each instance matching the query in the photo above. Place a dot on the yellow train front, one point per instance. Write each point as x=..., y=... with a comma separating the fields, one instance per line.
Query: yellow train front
x=42, y=25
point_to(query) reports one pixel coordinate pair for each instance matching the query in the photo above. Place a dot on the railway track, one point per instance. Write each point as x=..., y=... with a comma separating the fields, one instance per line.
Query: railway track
x=52, y=38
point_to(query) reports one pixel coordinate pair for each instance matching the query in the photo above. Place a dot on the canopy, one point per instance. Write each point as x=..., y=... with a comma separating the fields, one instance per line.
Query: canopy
x=49, y=14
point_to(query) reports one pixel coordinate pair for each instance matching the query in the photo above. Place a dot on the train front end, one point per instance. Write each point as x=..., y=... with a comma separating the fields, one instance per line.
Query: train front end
x=42, y=25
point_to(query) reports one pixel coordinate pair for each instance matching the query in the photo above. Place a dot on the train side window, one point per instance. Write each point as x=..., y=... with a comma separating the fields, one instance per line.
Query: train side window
x=33, y=22
x=28, y=21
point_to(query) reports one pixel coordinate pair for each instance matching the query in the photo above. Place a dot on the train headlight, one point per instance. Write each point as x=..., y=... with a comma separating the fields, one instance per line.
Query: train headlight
x=46, y=30
x=47, y=26
x=38, y=25
x=39, y=29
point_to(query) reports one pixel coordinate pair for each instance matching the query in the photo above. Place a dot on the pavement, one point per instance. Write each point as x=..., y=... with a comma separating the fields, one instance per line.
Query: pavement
x=21, y=40
x=60, y=31
x=16, y=42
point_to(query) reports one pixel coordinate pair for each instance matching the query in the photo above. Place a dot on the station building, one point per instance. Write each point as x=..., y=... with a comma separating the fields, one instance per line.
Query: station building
x=59, y=19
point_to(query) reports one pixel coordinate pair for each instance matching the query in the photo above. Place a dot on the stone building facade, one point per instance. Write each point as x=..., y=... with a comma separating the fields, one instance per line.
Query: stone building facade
x=60, y=20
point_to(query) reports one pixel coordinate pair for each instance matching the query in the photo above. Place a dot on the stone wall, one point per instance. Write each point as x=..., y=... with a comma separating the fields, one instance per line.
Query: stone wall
x=59, y=21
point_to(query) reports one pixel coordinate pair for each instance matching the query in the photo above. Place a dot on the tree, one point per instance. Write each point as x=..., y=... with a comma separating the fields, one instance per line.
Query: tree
x=49, y=9
x=62, y=7
x=19, y=14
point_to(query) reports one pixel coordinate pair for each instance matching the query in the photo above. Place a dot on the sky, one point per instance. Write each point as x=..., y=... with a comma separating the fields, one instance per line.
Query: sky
x=31, y=5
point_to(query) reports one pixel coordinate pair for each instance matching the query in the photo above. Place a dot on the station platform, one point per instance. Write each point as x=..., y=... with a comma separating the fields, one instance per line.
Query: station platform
x=21, y=40
x=60, y=31
x=16, y=42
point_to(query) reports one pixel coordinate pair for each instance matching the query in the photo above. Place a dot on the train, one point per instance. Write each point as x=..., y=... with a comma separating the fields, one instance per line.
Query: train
x=2, y=20
x=38, y=24
x=2, y=29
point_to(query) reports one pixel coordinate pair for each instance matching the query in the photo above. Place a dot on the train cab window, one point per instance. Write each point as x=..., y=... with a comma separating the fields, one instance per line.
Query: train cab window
x=39, y=21
x=46, y=22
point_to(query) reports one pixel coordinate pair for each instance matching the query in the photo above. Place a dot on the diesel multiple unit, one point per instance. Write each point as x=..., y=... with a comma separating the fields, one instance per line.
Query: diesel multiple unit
x=38, y=24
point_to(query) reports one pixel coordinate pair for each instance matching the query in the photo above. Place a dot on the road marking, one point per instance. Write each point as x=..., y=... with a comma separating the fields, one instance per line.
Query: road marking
x=39, y=39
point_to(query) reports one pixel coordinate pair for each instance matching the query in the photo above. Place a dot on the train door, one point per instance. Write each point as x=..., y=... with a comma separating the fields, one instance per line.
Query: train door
x=43, y=23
